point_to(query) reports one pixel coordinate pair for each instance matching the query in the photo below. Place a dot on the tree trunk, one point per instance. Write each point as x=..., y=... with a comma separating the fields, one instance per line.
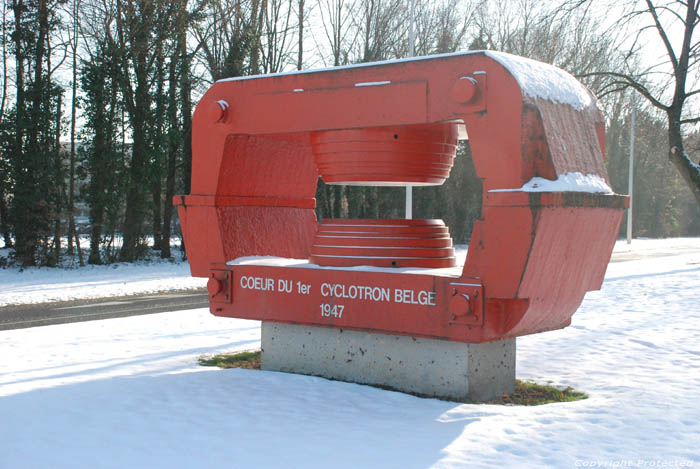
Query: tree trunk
x=4, y=218
x=135, y=203
x=4, y=215
x=18, y=205
x=73, y=105
x=258, y=8
x=186, y=103
x=173, y=144
x=186, y=129
x=135, y=198
x=138, y=106
x=159, y=141
x=174, y=135
x=59, y=183
x=98, y=176
x=300, y=53
x=689, y=171
x=96, y=219
x=80, y=252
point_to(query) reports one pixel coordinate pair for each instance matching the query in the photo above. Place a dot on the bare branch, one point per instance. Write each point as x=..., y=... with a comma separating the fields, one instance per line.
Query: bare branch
x=611, y=91
x=693, y=120
x=672, y=12
x=662, y=34
x=632, y=83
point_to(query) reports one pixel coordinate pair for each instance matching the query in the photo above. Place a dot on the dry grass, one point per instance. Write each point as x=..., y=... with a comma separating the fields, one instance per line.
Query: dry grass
x=248, y=359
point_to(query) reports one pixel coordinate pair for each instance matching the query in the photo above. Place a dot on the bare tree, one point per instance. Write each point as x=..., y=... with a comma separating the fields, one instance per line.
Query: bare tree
x=301, y=16
x=673, y=17
x=336, y=20
x=277, y=36
x=381, y=24
x=441, y=26
x=229, y=37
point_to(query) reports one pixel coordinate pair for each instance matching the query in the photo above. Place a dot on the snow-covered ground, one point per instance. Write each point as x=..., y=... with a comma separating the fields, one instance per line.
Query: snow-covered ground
x=45, y=284
x=129, y=393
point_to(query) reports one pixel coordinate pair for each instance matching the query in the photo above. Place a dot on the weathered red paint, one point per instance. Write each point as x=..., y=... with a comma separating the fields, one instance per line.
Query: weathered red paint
x=532, y=256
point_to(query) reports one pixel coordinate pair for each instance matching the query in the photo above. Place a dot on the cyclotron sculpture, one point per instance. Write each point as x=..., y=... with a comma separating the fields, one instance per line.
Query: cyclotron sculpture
x=548, y=218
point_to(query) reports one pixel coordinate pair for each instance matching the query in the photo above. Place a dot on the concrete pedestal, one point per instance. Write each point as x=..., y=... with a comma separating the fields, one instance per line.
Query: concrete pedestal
x=437, y=368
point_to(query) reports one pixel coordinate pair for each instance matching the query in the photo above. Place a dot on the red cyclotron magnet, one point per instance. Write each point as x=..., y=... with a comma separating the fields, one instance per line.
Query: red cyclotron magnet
x=260, y=144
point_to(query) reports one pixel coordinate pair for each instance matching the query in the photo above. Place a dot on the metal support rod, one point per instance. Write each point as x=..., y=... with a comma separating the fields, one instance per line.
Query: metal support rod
x=411, y=52
x=631, y=178
x=409, y=202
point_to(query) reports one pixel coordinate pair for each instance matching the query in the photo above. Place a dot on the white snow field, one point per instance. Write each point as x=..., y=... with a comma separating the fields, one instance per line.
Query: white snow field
x=46, y=284
x=128, y=393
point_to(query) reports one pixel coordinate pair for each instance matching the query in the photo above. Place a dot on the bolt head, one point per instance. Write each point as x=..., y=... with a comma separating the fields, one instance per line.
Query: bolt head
x=214, y=286
x=460, y=305
x=464, y=90
x=217, y=111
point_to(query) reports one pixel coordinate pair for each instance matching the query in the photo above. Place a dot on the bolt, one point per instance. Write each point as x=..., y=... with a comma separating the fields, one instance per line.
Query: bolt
x=461, y=305
x=464, y=90
x=214, y=286
x=217, y=111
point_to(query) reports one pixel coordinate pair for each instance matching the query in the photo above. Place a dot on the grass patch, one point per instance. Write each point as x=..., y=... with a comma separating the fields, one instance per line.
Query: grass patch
x=529, y=393
x=249, y=360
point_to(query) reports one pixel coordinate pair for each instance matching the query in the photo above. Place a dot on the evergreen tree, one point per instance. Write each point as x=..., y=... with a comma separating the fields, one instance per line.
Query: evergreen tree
x=100, y=156
x=32, y=209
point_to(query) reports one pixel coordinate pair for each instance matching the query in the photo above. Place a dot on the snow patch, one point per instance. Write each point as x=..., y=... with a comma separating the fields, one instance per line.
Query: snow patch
x=569, y=182
x=694, y=166
x=536, y=79
x=272, y=261
x=541, y=80
x=372, y=83
x=347, y=67
x=45, y=284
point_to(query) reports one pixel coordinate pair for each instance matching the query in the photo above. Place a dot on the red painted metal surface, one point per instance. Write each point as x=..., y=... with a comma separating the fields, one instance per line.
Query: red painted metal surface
x=416, y=154
x=259, y=145
x=383, y=243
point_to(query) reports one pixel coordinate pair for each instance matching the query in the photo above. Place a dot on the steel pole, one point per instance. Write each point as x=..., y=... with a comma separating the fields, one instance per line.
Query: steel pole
x=631, y=178
x=411, y=45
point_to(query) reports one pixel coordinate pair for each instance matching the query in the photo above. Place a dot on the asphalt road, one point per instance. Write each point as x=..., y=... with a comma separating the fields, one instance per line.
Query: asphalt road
x=44, y=314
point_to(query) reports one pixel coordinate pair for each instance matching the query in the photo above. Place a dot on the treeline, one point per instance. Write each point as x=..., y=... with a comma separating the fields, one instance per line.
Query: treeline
x=97, y=98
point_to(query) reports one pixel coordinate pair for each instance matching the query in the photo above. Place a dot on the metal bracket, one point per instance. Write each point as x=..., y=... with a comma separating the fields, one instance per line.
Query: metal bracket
x=466, y=307
x=219, y=286
x=469, y=93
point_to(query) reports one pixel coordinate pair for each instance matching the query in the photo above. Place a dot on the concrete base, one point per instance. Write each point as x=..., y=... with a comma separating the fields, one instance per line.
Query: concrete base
x=437, y=368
